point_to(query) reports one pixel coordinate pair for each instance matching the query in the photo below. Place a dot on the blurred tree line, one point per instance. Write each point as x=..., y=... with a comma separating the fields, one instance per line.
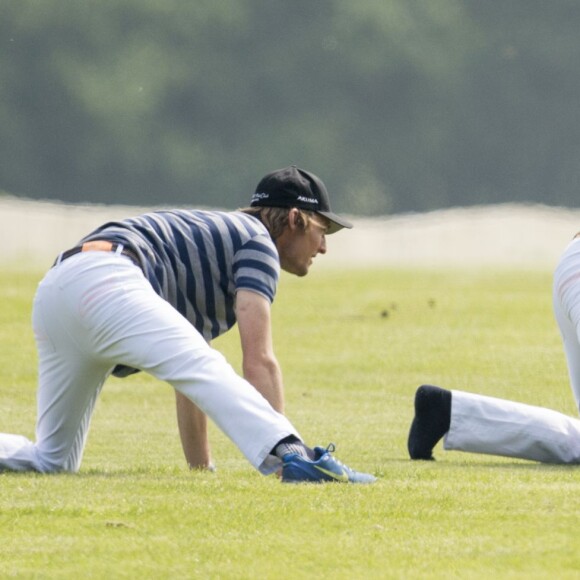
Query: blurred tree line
x=399, y=105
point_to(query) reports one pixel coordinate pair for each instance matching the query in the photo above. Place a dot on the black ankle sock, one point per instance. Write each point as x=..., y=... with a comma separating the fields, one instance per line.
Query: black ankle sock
x=431, y=422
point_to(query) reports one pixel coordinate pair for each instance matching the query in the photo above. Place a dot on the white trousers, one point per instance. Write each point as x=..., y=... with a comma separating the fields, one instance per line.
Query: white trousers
x=499, y=427
x=96, y=310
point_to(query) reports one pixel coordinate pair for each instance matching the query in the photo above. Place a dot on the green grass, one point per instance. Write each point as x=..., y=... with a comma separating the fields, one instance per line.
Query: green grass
x=353, y=347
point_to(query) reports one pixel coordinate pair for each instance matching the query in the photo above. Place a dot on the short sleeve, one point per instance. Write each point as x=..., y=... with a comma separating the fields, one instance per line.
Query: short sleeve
x=257, y=267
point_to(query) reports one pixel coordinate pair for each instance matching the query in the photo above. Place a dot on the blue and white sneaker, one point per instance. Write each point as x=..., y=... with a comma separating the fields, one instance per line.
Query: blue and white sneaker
x=298, y=469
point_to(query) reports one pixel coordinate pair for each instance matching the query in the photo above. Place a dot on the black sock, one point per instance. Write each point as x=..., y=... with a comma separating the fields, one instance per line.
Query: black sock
x=431, y=422
x=293, y=446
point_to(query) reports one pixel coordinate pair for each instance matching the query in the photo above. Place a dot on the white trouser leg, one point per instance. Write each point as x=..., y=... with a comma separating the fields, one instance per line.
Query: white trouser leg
x=70, y=378
x=566, y=293
x=499, y=427
x=96, y=310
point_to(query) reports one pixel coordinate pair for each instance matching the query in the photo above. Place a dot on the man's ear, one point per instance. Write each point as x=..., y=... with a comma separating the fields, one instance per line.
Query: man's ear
x=293, y=218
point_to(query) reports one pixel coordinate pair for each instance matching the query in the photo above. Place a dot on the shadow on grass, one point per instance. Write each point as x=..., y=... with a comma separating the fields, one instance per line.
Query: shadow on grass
x=500, y=464
x=394, y=468
x=94, y=472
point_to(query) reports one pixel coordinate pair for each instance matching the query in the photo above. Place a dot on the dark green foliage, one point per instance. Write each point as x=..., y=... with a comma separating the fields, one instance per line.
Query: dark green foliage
x=397, y=105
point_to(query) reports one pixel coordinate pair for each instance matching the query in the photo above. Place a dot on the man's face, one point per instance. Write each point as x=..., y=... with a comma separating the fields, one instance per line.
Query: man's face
x=298, y=247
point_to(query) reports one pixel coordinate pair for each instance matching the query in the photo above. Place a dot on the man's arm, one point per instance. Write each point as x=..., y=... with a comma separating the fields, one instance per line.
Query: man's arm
x=260, y=367
x=192, y=424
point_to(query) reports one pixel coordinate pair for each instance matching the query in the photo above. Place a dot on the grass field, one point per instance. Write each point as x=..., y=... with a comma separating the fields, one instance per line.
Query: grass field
x=353, y=347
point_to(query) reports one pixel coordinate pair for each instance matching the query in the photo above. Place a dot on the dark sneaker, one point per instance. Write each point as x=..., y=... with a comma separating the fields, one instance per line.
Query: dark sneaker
x=323, y=468
x=431, y=422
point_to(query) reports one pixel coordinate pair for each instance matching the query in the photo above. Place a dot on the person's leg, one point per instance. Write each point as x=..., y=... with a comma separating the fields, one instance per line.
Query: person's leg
x=96, y=310
x=494, y=426
x=152, y=336
x=479, y=424
x=70, y=379
x=147, y=333
x=566, y=302
x=499, y=427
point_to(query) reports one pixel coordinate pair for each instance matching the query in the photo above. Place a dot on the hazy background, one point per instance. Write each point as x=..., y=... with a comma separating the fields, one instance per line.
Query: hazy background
x=399, y=105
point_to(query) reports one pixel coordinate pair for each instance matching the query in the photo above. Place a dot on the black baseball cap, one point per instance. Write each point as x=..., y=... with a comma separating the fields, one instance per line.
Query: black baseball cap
x=294, y=187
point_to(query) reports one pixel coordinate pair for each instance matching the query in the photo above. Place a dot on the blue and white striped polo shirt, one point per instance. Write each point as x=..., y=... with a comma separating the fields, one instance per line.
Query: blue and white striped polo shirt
x=198, y=260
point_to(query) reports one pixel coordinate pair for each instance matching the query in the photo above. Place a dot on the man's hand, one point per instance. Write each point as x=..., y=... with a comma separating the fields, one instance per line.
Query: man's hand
x=192, y=424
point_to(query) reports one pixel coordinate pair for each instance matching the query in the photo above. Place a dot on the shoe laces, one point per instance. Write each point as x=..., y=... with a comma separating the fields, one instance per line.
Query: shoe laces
x=351, y=472
x=331, y=447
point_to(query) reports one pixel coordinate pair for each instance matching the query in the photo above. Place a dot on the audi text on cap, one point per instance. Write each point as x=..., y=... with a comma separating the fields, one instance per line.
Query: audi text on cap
x=293, y=187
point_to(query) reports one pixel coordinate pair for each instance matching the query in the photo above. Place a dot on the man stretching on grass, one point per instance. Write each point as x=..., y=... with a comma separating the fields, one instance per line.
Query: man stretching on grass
x=493, y=426
x=149, y=293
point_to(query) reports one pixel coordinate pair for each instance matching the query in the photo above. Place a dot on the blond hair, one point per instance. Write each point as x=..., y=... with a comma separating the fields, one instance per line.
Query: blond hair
x=276, y=218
